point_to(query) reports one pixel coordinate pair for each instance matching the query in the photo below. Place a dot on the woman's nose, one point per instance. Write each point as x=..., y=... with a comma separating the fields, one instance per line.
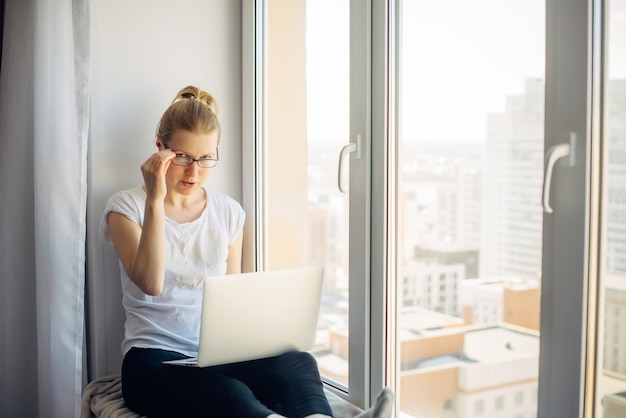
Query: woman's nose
x=193, y=168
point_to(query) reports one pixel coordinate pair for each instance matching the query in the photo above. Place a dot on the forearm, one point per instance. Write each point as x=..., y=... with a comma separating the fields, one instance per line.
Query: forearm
x=149, y=264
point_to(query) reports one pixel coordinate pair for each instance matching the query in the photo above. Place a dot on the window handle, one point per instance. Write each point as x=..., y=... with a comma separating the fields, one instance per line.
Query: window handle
x=345, y=150
x=554, y=154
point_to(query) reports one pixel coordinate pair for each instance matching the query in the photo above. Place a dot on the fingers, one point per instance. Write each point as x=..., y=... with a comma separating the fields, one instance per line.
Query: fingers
x=158, y=163
x=154, y=169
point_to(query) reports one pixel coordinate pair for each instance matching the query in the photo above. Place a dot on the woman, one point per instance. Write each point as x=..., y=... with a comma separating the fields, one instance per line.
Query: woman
x=169, y=234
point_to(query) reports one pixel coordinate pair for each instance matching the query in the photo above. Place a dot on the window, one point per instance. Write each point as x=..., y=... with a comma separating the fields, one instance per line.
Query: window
x=470, y=112
x=449, y=405
x=309, y=212
x=307, y=122
x=612, y=296
x=445, y=134
x=479, y=407
x=499, y=403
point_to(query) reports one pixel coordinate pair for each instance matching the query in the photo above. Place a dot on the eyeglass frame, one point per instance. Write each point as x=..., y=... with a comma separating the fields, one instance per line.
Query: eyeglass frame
x=198, y=160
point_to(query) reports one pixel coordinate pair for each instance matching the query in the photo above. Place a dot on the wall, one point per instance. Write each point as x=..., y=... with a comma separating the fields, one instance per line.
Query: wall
x=429, y=393
x=286, y=141
x=143, y=52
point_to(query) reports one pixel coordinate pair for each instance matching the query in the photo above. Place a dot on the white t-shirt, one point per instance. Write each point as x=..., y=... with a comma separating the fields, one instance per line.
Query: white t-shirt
x=195, y=250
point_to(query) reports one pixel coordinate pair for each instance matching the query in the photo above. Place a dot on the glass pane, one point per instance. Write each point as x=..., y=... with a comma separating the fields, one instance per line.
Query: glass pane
x=612, y=341
x=307, y=121
x=470, y=167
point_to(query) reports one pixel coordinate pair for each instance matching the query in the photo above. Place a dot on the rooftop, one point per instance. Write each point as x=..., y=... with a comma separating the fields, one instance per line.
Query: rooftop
x=501, y=342
x=486, y=343
x=508, y=282
x=416, y=321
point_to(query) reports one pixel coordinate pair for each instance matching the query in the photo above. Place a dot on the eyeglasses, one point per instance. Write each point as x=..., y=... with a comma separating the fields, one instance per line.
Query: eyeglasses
x=203, y=162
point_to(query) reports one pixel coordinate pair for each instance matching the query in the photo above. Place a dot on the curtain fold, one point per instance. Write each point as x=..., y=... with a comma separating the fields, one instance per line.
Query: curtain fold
x=1, y=30
x=44, y=123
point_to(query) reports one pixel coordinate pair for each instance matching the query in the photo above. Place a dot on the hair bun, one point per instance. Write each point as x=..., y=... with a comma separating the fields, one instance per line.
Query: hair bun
x=190, y=96
x=195, y=93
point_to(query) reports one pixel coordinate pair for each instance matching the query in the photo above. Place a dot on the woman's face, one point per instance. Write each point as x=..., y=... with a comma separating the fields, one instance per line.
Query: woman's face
x=186, y=180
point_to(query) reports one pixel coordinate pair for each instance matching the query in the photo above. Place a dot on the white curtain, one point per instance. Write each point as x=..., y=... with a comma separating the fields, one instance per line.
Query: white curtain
x=44, y=96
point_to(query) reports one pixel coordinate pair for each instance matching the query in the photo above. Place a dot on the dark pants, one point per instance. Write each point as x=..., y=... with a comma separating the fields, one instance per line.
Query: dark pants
x=288, y=384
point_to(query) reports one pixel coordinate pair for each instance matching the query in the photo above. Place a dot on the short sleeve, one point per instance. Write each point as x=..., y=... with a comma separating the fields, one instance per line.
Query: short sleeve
x=130, y=203
x=227, y=213
x=238, y=217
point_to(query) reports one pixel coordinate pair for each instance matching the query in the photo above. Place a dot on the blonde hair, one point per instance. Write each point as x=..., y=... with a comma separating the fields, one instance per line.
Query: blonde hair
x=193, y=110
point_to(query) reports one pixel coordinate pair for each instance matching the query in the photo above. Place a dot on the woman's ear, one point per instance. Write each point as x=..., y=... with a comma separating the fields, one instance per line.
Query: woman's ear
x=160, y=145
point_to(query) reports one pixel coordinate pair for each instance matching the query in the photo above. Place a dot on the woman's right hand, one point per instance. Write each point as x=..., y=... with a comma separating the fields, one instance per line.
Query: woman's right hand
x=142, y=248
x=154, y=170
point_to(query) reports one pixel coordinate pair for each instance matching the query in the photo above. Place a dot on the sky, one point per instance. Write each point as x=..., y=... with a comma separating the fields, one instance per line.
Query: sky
x=617, y=39
x=460, y=59
x=328, y=60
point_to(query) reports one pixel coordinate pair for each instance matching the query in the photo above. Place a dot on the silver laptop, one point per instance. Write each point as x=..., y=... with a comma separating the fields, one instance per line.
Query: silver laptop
x=250, y=316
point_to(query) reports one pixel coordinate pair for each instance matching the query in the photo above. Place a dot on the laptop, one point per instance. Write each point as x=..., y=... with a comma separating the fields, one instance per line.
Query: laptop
x=249, y=316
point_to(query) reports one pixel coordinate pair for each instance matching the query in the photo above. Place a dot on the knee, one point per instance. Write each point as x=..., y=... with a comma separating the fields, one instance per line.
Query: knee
x=292, y=358
x=297, y=362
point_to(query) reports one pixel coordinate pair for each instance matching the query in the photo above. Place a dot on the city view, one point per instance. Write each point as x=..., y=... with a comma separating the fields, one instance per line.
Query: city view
x=469, y=267
x=468, y=186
